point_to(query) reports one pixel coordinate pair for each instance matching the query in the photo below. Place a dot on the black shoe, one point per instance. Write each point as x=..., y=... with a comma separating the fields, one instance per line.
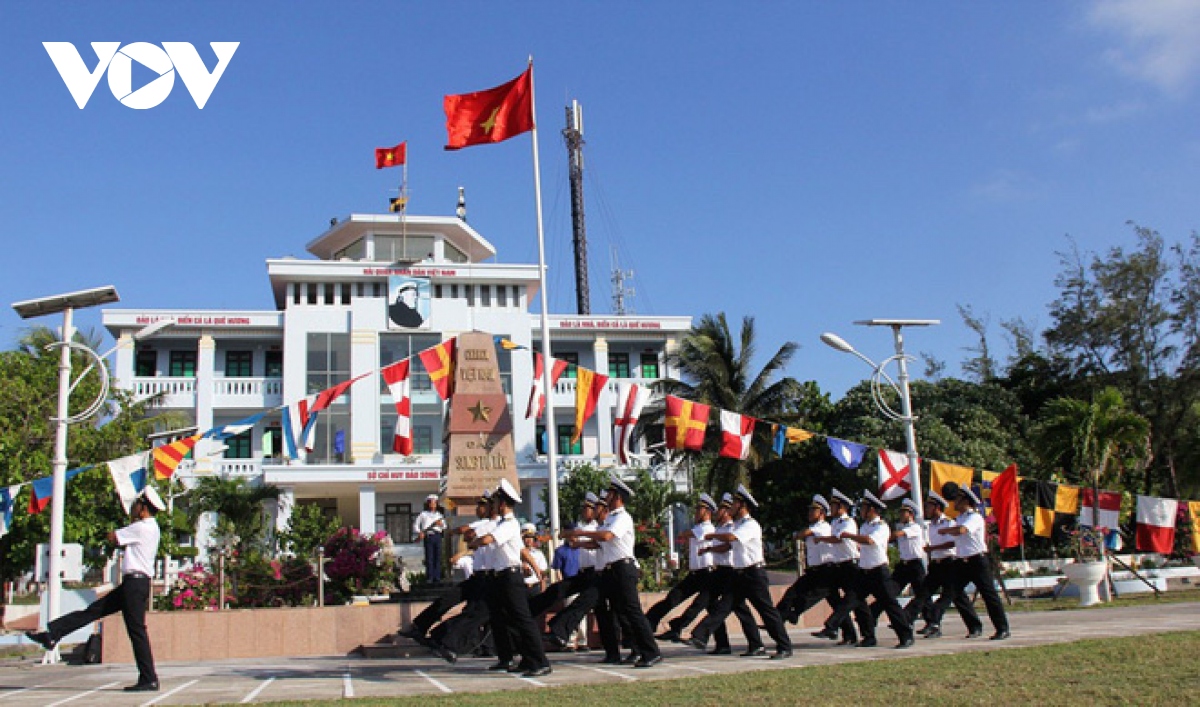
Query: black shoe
x=412, y=633
x=671, y=635
x=828, y=633
x=868, y=643
x=1001, y=635
x=446, y=654
x=537, y=672
x=502, y=666
x=648, y=662
x=631, y=659
x=583, y=649
x=754, y=652
x=975, y=633
x=848, y=641
x=905, y=642
x=143, y=687
x=929, y=628
x=934, y=633
x=696, y=643
x=721, y=651
x=782, y=654
x=520, y=667
x=42, y=638
x=556, y=642
x=610, y=660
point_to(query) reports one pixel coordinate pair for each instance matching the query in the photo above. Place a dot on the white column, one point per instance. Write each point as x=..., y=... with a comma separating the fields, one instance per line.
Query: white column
x=205, y=376
x=284, y=507
x=123, y=363
x=366, y=508
x=364, y=397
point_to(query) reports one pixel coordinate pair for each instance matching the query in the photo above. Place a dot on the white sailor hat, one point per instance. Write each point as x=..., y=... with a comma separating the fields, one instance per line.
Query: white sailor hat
x=935, y=497
x=968, y=494
x=838, y=497
x=431, y=497
x=870, y=498
x=529, y=529
x=819, y=502
x=615, y=484
x=743, y=494
x=726, y=499
x=508, y=490
x=707, y=501
x=590, y=499
x=151, y=497
x=910, y=505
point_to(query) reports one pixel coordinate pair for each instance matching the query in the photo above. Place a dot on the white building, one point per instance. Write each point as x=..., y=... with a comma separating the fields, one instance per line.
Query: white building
x=331, y=322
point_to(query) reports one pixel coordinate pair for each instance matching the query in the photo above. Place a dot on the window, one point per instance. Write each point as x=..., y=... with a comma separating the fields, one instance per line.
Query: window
x=502, y=296
x=426, y=427
x=470, y=289
x=572, y=359
x=345, y=293
x=618, y=365
x=272, y=441
x=329, y=364
x=311, y=290
x=402, y=248
x=183, y=364
x=239, y=364
x=485, y=295
x=396, y=347
x=145, y=364
x=274, y=364
x=239, y=446
x=397, y=520
x=564, y=440
x=650, y=365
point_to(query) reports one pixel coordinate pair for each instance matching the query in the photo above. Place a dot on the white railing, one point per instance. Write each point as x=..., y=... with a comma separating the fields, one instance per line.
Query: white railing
x=247, y=392
x=176, y=392
x=564, y=389
x=237, y=467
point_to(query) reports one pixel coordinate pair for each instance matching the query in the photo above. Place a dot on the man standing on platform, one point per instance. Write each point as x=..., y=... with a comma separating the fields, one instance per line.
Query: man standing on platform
x=139, y=540
x=428, y=527
x=619, y=580
x=973, y=565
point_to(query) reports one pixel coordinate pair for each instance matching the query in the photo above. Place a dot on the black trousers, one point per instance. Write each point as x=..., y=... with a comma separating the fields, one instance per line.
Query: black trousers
x=559, y=591
x=939, y=581
x=622, y=609
x=464, y=632
x=693, y=583
x=818, y=584
x=464, y=590
x=977, y=570
x=587, y=595
x=130, y=598
x=909, y=573
x=513, y=629
x=751, y=585
x=433, y=557
x=724, y=599
x=877, y=583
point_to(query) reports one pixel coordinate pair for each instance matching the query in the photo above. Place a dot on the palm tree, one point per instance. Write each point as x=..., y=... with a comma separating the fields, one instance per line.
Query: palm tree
x=238, y=505
x=716, y=369
x=1099, y=439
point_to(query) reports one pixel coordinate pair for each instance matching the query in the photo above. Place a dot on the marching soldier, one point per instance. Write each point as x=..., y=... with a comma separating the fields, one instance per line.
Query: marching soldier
x=585, y=585
x=720, y=596
x=699, y=576
x=941, y=562
x=843, y=561
x=973, y=565
x=910, y=572
x=818, y=583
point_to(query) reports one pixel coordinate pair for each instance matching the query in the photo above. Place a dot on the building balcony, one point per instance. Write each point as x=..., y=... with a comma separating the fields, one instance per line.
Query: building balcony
x=175, y=392
x=564, y=389
x=247, y=392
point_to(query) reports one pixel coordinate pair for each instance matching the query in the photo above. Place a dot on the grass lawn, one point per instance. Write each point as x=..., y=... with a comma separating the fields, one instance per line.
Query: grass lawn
x=1145, y=670
x=1065, y=603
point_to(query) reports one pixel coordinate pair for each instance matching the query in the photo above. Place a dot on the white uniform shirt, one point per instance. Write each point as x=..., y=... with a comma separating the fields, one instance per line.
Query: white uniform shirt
x=466, y=565
x=620, y=547
x=140, y=542
x=483, y=553
x=912, y=544
x=846, y=550
x=816, y=553
x=427, y=520
x=974, y=541
x=589, y=558
x=539, y=559
x=723, y=559
x=506, y=536
x=874, y=554
x=747, y=551
x=936, y=538
x=697, y=561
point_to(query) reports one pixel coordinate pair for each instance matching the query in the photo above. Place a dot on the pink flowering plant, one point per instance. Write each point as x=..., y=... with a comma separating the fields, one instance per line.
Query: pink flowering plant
x=356, y=564
x=195, y=589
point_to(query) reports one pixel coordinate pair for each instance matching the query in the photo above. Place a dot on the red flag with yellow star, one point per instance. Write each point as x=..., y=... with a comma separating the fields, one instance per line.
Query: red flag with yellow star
x=686, y=423
x=491, y=115
x=391, y=156
x=439, y=362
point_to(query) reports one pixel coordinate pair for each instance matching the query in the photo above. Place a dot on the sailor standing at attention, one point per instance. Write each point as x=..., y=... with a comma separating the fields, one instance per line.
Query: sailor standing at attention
x=508, y=600
x=974, y=565
x=429, y=526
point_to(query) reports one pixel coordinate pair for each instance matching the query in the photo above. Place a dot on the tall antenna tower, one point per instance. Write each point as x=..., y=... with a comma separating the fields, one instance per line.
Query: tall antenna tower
x=573, y=135
x=620, y=292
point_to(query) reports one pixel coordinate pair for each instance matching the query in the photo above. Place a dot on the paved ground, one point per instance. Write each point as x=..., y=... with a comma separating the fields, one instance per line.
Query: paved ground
x=246, y=681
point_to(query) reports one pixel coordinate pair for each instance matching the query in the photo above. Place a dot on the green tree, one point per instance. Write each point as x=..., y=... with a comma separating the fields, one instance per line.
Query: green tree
x=308, y=528
x=239, y=508
x=572, y=487
x=717, y=369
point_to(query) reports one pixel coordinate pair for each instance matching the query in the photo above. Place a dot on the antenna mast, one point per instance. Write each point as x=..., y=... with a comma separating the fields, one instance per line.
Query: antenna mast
x=573, y=134
x=620, y=292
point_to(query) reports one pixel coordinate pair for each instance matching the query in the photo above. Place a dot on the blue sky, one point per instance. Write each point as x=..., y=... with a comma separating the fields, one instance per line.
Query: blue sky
x=809, y=164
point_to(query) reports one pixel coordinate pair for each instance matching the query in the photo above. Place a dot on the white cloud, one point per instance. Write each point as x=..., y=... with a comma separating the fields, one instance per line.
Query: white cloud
x=1159, y=40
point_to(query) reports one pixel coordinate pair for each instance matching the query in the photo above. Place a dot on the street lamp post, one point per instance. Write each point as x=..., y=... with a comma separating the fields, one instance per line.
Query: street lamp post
x=900, y=386
x=67, y=304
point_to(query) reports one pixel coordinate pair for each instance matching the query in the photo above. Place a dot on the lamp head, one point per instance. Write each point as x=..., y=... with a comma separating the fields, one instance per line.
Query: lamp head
x=834, y=341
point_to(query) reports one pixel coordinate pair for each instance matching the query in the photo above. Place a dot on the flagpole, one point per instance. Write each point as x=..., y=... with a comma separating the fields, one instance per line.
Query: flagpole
x=547, y=361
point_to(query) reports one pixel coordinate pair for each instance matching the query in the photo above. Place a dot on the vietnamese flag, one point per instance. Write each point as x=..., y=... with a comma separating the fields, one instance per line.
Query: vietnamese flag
x=491, y=115
x=1006, y=507
x=439, y=362
x=686, y=423
x=391, y=156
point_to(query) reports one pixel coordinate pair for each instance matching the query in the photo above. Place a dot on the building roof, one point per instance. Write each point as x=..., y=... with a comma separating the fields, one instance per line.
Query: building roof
x=454, y=230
